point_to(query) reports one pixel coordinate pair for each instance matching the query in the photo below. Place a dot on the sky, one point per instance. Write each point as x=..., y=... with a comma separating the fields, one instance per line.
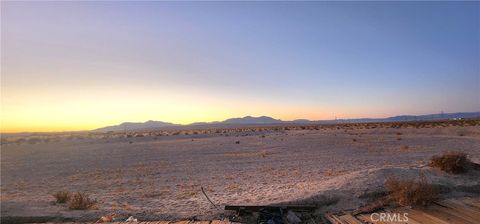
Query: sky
x=69, y=66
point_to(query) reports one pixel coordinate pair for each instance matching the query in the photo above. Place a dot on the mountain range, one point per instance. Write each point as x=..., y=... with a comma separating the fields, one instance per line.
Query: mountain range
x=249, y=120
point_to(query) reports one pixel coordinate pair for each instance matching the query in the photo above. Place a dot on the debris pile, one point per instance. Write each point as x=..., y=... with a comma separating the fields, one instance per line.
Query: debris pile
x=272, y=214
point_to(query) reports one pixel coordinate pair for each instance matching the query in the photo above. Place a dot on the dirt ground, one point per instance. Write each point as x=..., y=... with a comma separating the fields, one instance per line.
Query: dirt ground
x=159, y=177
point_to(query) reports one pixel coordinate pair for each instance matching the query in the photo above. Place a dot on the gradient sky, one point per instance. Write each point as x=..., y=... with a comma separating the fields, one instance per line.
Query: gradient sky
x=82, y=65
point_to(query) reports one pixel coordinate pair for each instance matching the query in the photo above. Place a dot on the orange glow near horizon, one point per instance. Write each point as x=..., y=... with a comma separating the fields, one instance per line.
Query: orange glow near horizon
x=75, y=108
x=61, y=110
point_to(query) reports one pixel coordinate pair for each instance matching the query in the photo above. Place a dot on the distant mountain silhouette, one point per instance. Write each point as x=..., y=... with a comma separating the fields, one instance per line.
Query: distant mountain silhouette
x=428, y=117
x=252, y=120
x=137, y=126
x=249, y=120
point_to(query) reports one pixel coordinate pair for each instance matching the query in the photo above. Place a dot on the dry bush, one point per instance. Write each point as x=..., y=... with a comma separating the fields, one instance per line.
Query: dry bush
x=404, y=148
x=451, y=162
x=411, y=192
x=81, y=201
x=62, y=197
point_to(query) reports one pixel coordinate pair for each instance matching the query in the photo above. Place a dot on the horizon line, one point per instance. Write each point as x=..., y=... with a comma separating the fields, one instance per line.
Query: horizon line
x=211, y=122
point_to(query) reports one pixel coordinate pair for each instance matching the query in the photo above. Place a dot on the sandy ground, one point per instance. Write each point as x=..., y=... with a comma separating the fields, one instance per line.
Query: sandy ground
x=160, y=177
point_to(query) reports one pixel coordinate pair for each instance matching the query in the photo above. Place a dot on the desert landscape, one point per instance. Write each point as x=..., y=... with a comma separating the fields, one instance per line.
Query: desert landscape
x=158, y=174
x=228, y=112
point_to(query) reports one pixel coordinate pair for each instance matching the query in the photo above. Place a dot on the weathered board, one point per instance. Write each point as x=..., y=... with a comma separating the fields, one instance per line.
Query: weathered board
x=450, y=211
x=269, y=207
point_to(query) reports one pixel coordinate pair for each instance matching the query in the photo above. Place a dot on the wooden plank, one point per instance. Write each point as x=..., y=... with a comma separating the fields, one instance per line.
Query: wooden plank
x=465, y=201
x=450, y=211
x=447, y=215
x=402, y=216
x=330, y=219
x=366, y=218
x=420, y=217
x=269, y=207
x=333, y=219
x=347, y=218
x=461, y=208
x=181, y=222
x=471, y=202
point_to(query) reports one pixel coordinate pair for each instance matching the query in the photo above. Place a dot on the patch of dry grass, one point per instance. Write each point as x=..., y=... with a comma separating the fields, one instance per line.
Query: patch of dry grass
x=404, y=148
x=81, y=201
x=410, y=191
x=451, y=162
x=232, y=187
x=334, y=173
x=62, y=197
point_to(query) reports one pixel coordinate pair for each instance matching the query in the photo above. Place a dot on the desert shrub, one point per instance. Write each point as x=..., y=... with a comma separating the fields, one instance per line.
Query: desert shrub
x=410, y=191
x=80, y=201
x=451, y=162
x=61, y=197
x=404, y=148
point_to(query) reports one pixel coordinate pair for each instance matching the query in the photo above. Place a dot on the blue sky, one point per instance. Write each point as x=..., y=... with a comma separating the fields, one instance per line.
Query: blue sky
x=214, y=60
